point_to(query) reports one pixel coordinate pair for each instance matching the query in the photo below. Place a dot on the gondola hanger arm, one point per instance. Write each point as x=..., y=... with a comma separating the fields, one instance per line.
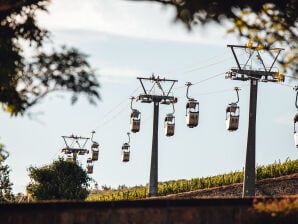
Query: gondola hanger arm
x=128, y=134
x=131, y=98
x=296, y=101
x=237, y=90
x=188, y=84
x=92, y=134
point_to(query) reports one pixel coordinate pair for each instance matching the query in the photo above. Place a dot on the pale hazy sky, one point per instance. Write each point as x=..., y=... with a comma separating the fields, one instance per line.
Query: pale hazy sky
x=127, y=39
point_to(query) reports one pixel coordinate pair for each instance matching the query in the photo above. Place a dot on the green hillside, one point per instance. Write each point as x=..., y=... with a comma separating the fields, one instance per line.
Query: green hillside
x=276, y=169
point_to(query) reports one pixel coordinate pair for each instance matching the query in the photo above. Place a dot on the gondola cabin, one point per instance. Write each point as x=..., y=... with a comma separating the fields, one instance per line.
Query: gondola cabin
x=66, y=150
x=295, y=132
x=192, y=113
x=69, y=158
x=232, y=117
x=169, y=125
x=89, y=166
x=125, y=152
x=94, y=151
x=135, y=121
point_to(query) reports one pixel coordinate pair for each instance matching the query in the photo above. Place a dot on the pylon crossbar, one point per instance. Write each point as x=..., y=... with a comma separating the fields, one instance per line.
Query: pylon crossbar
x=156, y=81
x=156, y=98
x=255, y=47
x=265, y=74
x=78, y=150
x=153, y=78
x=244, y=75
x=253, y=73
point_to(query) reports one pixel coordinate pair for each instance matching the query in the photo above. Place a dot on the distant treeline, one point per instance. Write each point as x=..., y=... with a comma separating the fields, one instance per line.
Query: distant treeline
x=276, y=169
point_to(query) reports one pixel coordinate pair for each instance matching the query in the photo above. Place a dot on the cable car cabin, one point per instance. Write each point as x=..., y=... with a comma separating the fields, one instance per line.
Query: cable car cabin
x=135, y=121
x=169, y=124
x=295, y=132
x=89, y=166
x=69, y=158
x=94, y=151
x=125, y=152
x=192, y=113
x=232, y=117
x=66, y=150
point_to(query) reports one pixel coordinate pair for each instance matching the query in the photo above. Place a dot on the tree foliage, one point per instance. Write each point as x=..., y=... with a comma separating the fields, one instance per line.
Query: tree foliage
x=266, y=22
x=25, y=80
x=5, y=184
x=59, y=180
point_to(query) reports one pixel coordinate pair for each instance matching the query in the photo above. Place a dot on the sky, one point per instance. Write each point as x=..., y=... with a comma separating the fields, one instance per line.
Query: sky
x=126, y=40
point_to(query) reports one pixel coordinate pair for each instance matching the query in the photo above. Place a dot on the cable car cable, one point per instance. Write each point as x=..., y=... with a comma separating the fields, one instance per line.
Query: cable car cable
x=204, y=66
x=220, y=91
x=182, y=69
x=201, y=81
x=112, y=110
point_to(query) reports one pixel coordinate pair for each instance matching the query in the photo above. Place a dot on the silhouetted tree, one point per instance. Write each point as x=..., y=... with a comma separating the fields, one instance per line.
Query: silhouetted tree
x=25, y=80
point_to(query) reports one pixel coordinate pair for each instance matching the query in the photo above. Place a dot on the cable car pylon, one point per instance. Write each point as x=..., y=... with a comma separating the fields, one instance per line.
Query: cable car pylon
x=156, y=99
x=243, y=72
x=76, y=146
x=192, y=109
x=233, y=113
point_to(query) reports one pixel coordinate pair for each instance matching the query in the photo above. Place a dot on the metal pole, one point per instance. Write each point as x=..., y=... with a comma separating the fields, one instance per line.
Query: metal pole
x=74, y=156
x=153, y=181
x=249, y=172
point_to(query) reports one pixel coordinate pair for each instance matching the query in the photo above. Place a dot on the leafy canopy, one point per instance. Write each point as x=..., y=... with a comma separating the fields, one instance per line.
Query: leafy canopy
x=266, y=22
x=60, y=180
x=25, y=80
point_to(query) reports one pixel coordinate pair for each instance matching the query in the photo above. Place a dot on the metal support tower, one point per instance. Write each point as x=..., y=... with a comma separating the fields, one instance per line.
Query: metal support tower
x=265, y=74
x=75, y=145
x=162, y=98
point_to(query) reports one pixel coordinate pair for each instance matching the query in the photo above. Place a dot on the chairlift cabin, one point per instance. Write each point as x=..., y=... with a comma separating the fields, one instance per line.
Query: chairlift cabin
x=232, y=117
x=89, y=166
x=169, y=125
x=125, y=152
x=192, y=113
x=135, y=120
x=94, y=151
